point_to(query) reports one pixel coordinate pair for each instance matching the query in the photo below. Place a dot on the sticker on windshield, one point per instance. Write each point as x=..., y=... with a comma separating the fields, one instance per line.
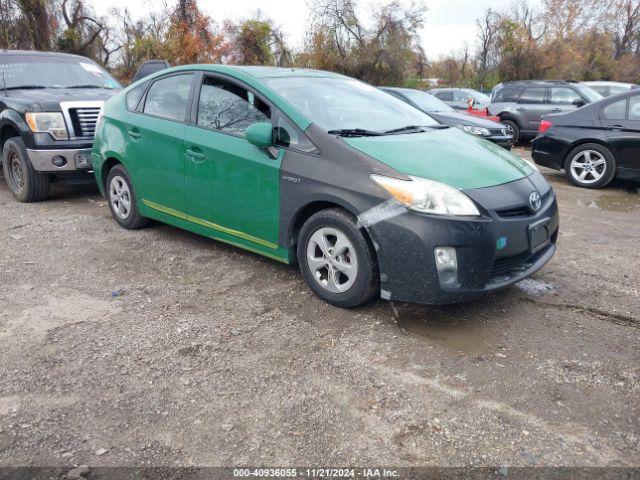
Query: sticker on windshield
x=91, y=68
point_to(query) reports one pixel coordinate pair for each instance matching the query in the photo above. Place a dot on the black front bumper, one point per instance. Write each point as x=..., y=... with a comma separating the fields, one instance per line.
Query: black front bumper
x=503, y=141
x=493, y=251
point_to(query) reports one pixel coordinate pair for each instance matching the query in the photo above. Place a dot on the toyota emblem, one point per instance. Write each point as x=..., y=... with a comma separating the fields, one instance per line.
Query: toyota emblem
x=535, y=201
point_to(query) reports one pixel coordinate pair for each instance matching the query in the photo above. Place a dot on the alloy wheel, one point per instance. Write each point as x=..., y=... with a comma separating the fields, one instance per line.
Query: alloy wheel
x=588, y=166
x=120, y=197
x=332, y=260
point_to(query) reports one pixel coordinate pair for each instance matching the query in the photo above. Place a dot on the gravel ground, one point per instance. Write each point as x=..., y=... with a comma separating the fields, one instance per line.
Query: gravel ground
x=162, y=348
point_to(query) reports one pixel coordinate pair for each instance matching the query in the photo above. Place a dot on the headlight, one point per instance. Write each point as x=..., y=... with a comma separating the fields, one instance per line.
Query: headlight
x=428, y=196
x=48, y=122
x=476, y=130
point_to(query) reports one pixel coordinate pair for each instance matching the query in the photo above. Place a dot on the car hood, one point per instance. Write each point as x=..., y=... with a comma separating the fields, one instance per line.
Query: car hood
x=458, y=118
x=49, y=98
x=450, y=156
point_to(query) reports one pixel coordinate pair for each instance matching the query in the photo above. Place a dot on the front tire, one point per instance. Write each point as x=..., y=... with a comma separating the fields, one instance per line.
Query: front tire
x=515, y=129
x=122, y=199
x=26, y=184
x=336, y=260
x=590, y=166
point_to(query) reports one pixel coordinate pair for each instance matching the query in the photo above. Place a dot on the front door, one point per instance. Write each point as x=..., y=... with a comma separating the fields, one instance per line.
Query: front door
x=232, y=186
x=532, y=104
x=156, y=143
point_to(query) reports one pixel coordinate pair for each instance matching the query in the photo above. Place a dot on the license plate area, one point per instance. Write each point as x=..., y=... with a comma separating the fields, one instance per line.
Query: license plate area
x=539, y=235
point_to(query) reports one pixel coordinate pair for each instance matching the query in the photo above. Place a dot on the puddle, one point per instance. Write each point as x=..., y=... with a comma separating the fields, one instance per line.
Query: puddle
x=624, y=201
x=458, y=328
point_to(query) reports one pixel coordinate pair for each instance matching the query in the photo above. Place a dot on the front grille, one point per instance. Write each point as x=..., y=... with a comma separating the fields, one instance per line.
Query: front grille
x=84, y=120
x=521, y=211
x=498, y=131
x=504, y=266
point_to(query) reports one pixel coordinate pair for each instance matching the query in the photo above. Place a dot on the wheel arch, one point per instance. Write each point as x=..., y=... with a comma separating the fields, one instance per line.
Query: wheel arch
x=8, y=131
x=584, y=141
x=102, y=170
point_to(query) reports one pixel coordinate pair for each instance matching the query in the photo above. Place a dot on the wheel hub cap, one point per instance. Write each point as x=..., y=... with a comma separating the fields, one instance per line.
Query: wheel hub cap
x=120, y=197
x=332, y=260
x=588, y=166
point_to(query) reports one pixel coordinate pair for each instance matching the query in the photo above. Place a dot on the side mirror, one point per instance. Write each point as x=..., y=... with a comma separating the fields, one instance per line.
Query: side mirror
x=260, y=134
x=579, y=102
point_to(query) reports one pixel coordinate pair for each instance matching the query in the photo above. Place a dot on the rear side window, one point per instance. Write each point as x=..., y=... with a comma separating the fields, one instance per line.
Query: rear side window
x=615, y=111
x=228, y=107
x=133, y=97
x=564, y=96
x=601, y=89
x=507, y=95
x=168, y=97
x=616, y=89
x=634, y=108
x=533, y=95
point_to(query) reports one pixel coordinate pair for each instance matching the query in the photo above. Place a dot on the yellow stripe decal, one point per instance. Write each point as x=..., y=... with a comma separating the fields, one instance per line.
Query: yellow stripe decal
x=211, y=225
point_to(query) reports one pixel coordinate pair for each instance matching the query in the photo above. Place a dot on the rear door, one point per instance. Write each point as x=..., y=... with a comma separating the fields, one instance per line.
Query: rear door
x=621, y=119
x=232, y=185
x=155, y=143
x=532, y=104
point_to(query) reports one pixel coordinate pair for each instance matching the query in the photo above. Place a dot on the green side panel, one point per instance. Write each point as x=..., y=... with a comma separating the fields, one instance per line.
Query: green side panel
x=233, y=183
x=450, y=156
x=209, y=229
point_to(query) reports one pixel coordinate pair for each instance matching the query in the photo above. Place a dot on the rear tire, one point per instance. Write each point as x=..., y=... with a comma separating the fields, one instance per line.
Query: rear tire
x=590, y=166
x=515, y=129
x=122, y=199
x=26, y=184
x=336, y=260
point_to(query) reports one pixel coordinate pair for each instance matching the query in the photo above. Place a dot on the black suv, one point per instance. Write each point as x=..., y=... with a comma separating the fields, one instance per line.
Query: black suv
x=49, y=106
x=521, y=104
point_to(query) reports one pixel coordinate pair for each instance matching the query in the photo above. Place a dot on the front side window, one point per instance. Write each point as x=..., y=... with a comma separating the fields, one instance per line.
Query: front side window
x=228, y=107
x=444, y=96
x=564, y=96
x=426, y=102
x=533, y=95
x=507, y=95
x=615, y=111
x=616, y=89
x=337, y=103
x=168, y=97
x=634, y=108
x=289, y=136
x=43, y=71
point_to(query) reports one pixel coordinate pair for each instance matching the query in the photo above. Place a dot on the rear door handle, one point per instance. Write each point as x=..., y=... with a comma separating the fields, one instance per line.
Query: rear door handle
x=195, y=155
x=135, y=134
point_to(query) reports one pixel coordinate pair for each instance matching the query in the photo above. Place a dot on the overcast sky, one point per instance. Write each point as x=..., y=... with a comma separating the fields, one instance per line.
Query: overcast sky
x=449, y=23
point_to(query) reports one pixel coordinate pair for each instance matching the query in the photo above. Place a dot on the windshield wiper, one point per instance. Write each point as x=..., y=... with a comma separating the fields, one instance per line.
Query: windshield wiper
x=354, y=132
x=415, y=129
x=89, y=86
x=25, y=87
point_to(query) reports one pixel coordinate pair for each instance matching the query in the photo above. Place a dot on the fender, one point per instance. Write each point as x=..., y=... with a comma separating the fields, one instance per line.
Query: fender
x=9, y=117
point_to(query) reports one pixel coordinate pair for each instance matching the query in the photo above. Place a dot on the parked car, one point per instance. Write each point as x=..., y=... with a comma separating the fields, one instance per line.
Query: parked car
x=49, y=106
x=522, y=104
x=458, y=98
x=443, y=113
x=607, y=89
x=149, y=67
x=595, y=143
x=371, y=196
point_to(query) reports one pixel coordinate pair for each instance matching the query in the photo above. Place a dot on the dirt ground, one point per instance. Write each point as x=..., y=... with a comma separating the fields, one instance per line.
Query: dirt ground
x=159, y=347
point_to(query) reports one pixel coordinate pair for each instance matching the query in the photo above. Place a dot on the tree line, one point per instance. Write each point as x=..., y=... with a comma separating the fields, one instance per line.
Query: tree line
x=561, y=39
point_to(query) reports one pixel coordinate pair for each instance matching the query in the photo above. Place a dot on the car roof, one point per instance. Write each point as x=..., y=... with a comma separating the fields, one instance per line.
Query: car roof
x=605, y=83
x=35, y=53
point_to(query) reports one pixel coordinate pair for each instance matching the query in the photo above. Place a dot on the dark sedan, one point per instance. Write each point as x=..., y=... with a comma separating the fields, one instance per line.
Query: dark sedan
x=595, y=143
x=443, y=113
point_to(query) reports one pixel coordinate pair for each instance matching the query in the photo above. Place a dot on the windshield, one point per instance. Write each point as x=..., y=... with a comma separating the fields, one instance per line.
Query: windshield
x=344, y=103
x=589, y=93
x=53, y=72
x=425, y=101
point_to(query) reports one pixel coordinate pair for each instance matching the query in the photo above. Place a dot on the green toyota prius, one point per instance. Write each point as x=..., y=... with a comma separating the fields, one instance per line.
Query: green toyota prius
x=369, y=195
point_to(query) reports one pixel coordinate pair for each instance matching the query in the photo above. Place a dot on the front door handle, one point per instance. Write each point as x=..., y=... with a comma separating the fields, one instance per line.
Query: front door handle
x=135, y=134
x=195, y=155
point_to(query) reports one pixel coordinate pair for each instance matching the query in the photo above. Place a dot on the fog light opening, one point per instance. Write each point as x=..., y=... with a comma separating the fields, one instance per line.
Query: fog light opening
x=447, y=265
x=59, y=161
